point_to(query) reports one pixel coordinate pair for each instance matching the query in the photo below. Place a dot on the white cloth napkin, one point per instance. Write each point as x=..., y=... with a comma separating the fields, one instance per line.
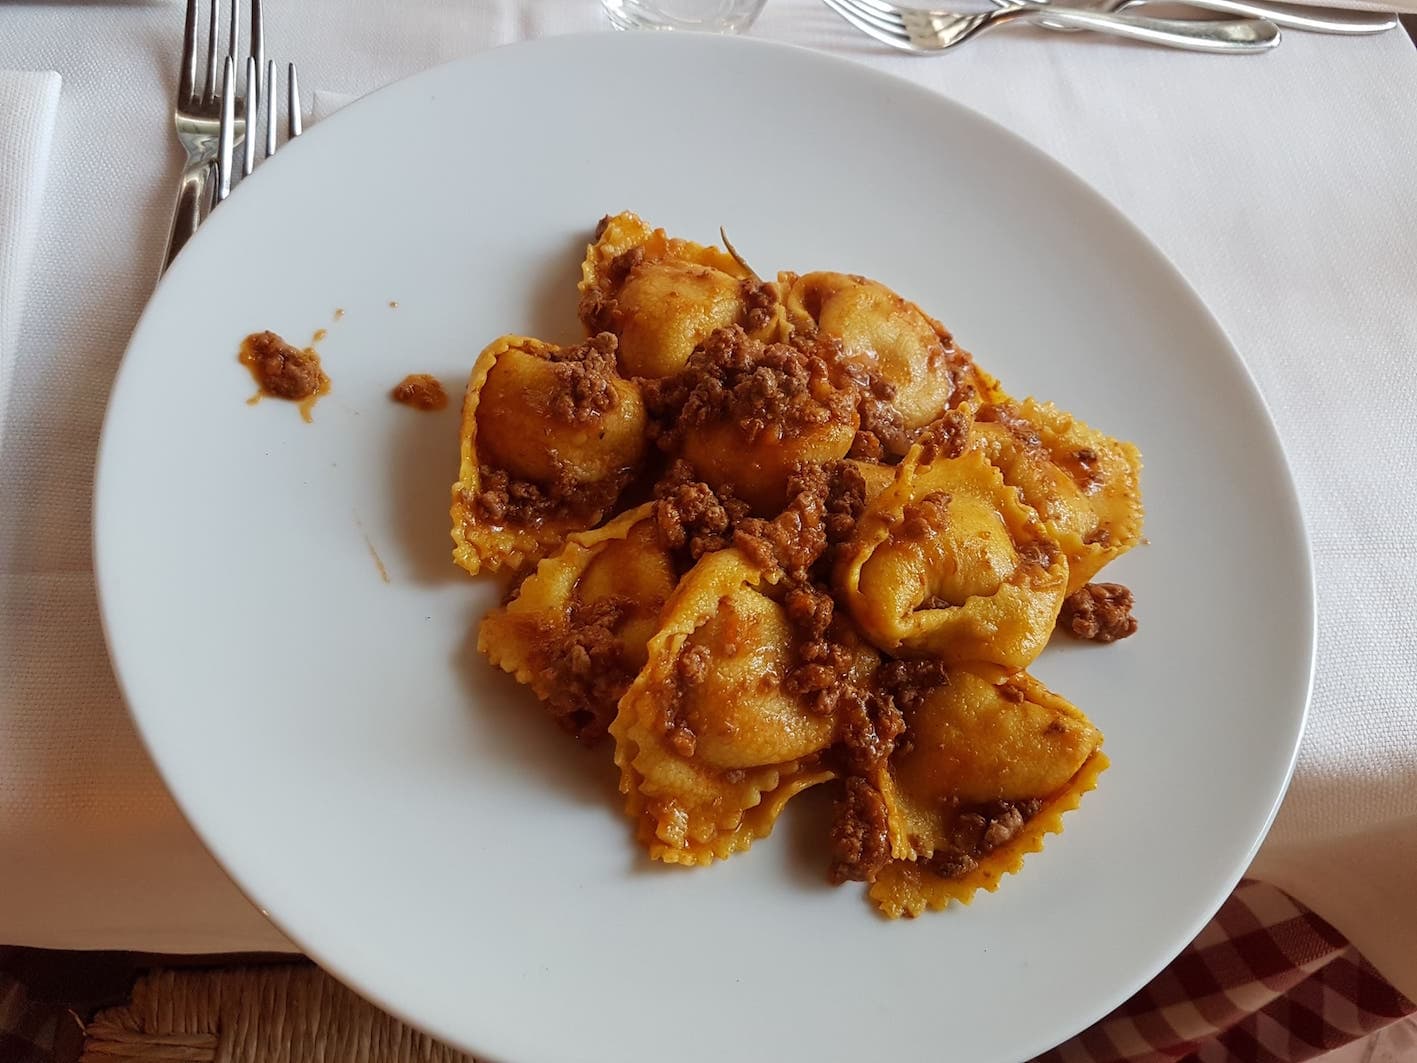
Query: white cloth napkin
x=29, y=104
x=1284, y=186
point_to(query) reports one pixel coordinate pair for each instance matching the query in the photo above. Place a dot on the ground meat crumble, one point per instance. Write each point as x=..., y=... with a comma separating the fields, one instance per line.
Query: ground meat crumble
x=585, y=670
x=871, y=725
x=758, y=387
x=690, y=670
x=823, y=658
x=860, y=839
x=926, y=517
x=282, y=370
x=882, y=435
x=946, y=437
x=824, y=502
x=585, y=380
x=844, y=499
x=620, y=266
x=909, y=681
x=691, y=517
x=1101, y=612
x=421, y=391
x=759, y=303
x=501, y=499
x=599, y=311
x=978, y=830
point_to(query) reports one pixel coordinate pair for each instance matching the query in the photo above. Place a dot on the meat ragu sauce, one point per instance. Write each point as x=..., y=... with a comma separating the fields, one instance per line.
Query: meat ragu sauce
x=421, y=391
x=1101, y=612
x=283, y=371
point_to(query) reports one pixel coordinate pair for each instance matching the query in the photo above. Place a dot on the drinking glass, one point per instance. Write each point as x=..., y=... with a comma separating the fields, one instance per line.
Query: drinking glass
x=714, y=16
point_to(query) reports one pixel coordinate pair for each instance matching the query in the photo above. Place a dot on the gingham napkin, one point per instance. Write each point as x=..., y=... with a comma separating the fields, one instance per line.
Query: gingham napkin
x=1267, y=981
x=29, y=104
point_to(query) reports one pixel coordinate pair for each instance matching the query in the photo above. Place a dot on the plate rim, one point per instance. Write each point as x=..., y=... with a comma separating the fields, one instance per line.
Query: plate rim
x=889, y=83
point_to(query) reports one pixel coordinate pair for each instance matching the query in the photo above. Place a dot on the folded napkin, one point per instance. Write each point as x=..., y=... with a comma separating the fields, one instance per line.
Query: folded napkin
x=29, y=104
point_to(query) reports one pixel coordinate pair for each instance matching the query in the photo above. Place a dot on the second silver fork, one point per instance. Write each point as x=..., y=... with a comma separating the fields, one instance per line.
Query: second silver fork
x=924, y=32
x=197, y=110
x=1286, y=16
x=228, y=137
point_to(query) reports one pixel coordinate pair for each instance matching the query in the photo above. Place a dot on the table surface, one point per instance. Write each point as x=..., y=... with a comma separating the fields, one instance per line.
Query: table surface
x=1281, y=185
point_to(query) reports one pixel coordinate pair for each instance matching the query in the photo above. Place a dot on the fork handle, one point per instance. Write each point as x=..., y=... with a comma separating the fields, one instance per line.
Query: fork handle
x=1288, y=16
x=1231, y=36
x=1285, y=16
x=193, y=205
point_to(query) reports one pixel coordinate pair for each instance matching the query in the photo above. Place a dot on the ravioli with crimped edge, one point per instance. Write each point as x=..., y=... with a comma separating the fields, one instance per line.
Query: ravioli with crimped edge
x=948, y=562
x=1084, y=484
x=710, y=739
x=770, y=535
x=550, y=437
x=663, y=297
x=990, y=769
x=974, y=774
x=577, y=627
x=906, y=363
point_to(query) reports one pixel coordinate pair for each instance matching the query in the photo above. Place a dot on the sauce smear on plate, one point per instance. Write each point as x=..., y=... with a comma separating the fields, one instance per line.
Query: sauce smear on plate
x=283, y=371
x=421, y=391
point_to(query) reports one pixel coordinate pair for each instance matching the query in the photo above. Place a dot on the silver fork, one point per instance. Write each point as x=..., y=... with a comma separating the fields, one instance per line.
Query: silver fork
x=197, y=114
x=1285, y=16
x=226, y=138
x=927, y=32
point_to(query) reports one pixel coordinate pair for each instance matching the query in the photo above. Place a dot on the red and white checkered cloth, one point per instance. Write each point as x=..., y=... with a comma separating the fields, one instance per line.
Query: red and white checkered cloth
x=1267, y=981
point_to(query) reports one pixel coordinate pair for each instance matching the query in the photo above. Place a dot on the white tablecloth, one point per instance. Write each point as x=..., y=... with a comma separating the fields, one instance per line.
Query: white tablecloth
x=1284, y=186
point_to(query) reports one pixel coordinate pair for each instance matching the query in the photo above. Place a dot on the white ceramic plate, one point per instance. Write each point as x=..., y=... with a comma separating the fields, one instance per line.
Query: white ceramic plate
x=410, y=817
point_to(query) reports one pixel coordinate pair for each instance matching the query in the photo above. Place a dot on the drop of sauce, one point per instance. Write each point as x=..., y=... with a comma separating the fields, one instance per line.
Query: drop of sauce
x=421, y=391
x=282, y=371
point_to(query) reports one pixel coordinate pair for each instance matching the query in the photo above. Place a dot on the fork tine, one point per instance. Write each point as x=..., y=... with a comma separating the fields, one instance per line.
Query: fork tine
x=891, y=22
x=210, y=94
x=233, y=38
x=270, y=107
x=869, y=28
x=294, y=119
x=882, y=6
x=187, y=73
x=258, y=48
x=248, y=158
x=226, y=137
